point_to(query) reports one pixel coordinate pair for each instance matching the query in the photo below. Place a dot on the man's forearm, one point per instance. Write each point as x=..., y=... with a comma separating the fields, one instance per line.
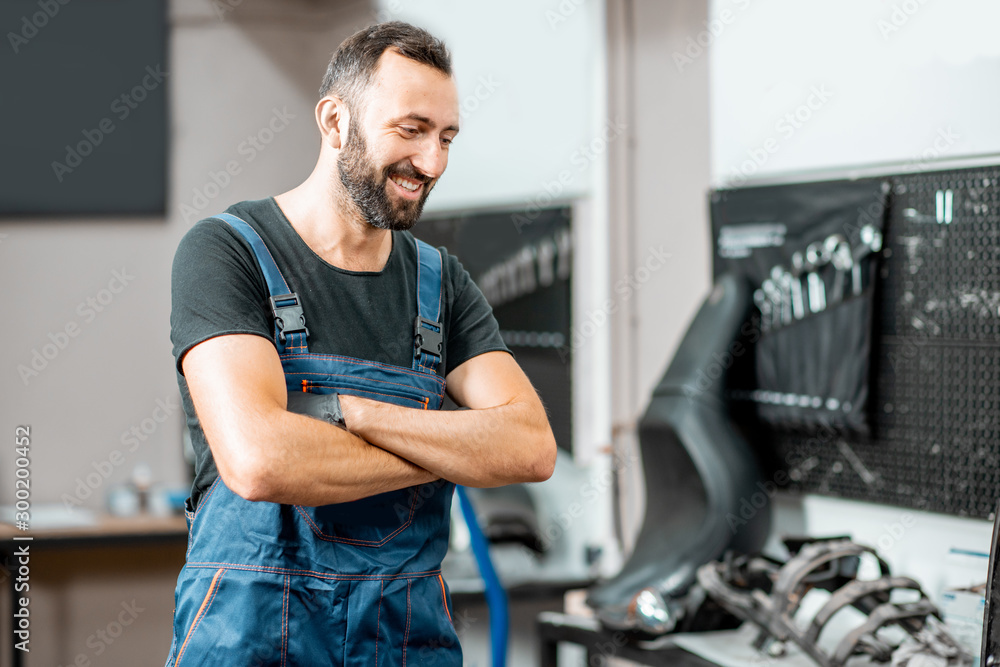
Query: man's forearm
x=299, y=460
x=488, y=447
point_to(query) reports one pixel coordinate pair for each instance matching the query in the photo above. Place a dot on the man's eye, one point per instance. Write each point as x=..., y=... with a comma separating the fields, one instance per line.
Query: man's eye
x=447, y=140
x=412, y=131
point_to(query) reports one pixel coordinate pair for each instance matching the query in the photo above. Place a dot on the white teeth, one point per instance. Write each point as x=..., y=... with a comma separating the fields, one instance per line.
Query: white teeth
x=406, y=184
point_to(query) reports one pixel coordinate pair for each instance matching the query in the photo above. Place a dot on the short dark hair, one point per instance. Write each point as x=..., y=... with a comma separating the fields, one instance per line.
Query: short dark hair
x=353, y=65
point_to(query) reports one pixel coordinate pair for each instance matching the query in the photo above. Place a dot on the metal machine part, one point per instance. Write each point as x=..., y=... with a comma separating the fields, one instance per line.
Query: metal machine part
x=769, y=595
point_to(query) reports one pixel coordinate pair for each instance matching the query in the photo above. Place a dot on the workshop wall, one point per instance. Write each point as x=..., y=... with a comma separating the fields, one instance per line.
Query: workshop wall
x=872, y=88
x=237, y=69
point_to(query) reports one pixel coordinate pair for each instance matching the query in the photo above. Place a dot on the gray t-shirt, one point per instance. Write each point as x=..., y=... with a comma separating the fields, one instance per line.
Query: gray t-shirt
x=218, y=288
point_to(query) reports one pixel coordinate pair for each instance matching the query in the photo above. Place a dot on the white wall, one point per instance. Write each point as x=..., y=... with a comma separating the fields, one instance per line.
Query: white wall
x=526, y=73
x=800, y=86
x=658, y=229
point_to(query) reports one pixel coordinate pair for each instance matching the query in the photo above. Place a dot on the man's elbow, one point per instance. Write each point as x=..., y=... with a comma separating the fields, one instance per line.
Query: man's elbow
x=249, y=477
x=544, y=463
x=249, y=485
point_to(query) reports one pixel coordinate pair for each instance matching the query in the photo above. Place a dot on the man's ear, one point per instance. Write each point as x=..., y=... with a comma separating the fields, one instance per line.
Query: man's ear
x=332, y=118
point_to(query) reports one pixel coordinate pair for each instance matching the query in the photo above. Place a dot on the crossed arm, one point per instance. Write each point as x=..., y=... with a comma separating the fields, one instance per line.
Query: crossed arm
x=264, y=452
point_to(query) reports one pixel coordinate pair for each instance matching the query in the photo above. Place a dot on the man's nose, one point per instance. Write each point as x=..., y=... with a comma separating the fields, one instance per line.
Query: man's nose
x=431, y=158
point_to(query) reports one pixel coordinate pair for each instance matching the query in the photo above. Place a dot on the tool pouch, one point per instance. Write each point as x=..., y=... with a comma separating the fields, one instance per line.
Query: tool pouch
x=815, y=371
x=810, y=351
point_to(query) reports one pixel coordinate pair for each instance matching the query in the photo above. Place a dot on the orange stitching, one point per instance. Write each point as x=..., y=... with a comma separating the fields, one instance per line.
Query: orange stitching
x=406, y=635
x=444, y=599
x=268, y=569
x=208, y=494
x=284, y=622
x=350, y=540
x=378, y=393
x=323, y=357
x=378, y=619
x=212, y=590
x=440, y=314
x=352, y=377
x=416, y=246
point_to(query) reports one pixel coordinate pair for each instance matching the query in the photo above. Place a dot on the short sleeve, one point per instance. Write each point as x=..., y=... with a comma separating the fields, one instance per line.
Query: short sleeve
x=216, y=288
x=473, y=330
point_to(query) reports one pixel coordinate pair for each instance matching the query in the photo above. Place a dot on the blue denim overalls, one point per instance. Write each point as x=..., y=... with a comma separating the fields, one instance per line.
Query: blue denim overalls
x=355, y=583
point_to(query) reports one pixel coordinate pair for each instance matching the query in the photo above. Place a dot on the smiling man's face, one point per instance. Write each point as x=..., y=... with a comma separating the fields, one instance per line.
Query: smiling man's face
x=397, y=142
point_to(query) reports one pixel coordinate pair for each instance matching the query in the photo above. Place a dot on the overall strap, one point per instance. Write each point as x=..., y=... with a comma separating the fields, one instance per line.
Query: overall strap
x=428, y=332
x=290, y=331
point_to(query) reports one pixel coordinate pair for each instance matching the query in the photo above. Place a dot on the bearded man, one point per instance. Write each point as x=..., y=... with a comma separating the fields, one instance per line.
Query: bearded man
x=315, y=339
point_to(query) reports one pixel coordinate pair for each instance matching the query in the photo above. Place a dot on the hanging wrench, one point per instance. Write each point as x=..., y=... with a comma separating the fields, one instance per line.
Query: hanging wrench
x=780, y=278
x=774, y=295
x=764, y=306
x=798, y=305
x=843, y=263
x=871, y=242
x=817, y=288
x=787, y=281
x=830, y=246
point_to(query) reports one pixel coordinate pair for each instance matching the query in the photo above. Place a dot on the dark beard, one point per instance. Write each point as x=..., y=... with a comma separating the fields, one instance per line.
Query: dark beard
x=368, y=189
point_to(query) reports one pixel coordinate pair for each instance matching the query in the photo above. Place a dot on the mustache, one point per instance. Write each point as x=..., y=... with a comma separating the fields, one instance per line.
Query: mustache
x=405, y=168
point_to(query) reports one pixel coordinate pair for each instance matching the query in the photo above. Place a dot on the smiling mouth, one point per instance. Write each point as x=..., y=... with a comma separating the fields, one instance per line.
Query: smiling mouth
x=407, y=184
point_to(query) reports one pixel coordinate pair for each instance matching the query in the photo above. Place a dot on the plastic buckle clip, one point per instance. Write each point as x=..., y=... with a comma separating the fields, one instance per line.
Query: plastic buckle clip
x=288, y=317
x=427, y=337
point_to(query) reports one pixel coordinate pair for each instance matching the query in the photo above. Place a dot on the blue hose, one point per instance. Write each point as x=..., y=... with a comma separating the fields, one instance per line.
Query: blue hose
x=496, y=596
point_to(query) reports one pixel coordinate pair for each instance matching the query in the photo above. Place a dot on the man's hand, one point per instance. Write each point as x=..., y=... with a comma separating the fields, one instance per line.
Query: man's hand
x=264, y=452
x=504, y=438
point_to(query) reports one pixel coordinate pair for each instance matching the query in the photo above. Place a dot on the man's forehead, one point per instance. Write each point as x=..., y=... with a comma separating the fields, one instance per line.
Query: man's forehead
x=404, y=87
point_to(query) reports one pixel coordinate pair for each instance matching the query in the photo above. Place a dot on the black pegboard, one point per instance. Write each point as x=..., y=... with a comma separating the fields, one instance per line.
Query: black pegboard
x=935, y=437
x=525, y=274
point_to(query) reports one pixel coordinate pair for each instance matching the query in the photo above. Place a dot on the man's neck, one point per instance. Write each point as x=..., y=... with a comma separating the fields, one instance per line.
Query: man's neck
x=339, y=238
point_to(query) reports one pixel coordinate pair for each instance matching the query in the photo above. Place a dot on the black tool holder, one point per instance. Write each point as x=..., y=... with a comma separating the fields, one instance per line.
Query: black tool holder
x=811, y=251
